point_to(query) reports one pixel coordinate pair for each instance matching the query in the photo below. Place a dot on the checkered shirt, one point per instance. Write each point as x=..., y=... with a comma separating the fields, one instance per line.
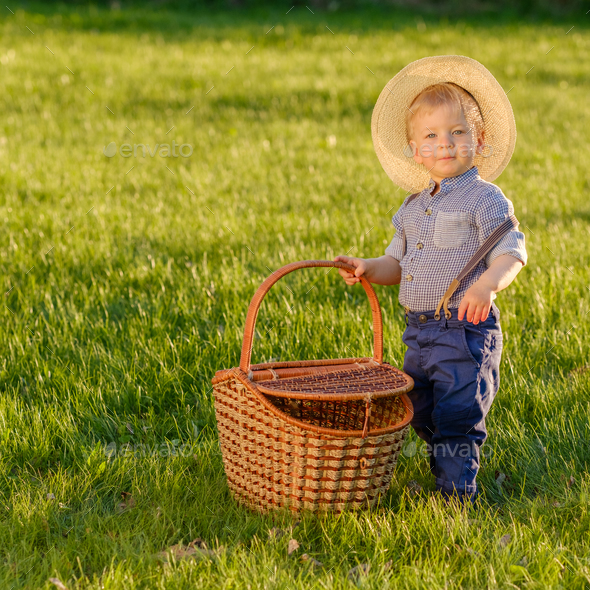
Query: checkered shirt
x=443, y=232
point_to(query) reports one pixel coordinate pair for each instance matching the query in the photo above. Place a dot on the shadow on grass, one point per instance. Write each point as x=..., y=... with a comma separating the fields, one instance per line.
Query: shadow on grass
x=181, y=20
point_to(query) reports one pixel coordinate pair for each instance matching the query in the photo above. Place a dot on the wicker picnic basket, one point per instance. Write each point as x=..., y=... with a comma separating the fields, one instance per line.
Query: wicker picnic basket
x=315, y=434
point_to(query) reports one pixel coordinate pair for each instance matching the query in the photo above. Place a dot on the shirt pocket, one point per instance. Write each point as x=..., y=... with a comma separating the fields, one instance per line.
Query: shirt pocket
x=451, y=230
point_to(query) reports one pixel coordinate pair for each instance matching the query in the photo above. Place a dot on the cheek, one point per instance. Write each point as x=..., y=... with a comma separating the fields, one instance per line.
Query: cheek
x=426, y=150
x=466, y=147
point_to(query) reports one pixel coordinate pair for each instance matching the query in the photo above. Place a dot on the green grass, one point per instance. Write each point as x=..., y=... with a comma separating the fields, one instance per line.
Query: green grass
x=114, y=329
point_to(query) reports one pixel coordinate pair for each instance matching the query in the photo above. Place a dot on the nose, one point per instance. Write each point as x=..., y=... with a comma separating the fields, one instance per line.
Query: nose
x=446, y=144
x=447, y=141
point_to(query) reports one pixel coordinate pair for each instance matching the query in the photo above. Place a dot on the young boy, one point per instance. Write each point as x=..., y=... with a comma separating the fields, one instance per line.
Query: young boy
x=447, y=107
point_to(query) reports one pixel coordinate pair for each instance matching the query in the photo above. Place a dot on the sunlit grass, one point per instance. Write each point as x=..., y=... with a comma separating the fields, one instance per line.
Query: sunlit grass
x=127, y=282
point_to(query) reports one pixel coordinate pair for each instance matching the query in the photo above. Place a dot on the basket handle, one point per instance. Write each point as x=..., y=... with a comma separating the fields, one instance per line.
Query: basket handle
x=279, y=274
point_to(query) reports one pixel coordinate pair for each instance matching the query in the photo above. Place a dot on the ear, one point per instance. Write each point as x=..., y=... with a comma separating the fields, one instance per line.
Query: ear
x=416, y=154
x=481, y=142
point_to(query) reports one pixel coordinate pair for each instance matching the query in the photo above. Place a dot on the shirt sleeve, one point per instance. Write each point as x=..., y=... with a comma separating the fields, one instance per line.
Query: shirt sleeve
x=396, y=246
x=494, y=211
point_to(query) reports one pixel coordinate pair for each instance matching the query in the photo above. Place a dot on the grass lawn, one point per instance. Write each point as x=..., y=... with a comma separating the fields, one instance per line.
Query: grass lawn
x=127, y=281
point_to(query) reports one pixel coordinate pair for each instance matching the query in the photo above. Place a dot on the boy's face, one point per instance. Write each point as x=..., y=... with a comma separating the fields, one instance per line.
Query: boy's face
x=443, y=142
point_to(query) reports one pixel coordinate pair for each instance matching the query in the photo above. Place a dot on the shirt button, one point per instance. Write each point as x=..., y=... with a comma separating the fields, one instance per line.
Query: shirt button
x=409, y=277
x=419, y=245
x=428, y=211
x=422, y=319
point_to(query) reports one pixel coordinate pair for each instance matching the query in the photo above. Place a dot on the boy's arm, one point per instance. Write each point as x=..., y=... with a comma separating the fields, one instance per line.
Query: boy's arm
x=384, y=270
x=504, y=260
x=493, y=211
x=477, y=301
x=502, y=272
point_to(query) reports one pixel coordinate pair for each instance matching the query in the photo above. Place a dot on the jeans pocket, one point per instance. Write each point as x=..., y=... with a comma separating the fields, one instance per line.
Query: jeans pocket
x=405, y=335
x=497, y=342
x=474, y=343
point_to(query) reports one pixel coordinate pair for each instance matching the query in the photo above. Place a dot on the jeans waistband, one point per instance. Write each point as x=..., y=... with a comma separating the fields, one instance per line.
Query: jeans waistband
x=426, y=318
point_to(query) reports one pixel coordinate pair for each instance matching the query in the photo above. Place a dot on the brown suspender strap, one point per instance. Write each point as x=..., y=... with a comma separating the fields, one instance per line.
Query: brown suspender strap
x=508, y=225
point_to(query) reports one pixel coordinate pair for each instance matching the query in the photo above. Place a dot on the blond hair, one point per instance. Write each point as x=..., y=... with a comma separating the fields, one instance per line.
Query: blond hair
x=446, y=93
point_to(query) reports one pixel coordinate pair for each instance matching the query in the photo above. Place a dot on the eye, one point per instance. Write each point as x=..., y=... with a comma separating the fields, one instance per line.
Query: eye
x=430, y=135
x=457, y=131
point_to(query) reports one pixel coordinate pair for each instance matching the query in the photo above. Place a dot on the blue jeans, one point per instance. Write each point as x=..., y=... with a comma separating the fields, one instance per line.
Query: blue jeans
x=456, y=370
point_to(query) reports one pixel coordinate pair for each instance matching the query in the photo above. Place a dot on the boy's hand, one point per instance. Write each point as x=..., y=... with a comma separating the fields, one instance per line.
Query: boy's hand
x=360, y=264
x=476, y=303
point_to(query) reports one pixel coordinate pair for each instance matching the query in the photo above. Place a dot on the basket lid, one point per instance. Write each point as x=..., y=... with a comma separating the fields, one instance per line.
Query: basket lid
x=380, y=380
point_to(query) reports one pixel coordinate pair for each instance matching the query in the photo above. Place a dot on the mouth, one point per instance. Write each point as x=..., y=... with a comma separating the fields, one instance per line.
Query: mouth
x=448, y=158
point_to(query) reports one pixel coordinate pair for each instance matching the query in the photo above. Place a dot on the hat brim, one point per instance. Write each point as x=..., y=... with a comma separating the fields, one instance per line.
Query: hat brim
x=388, y=122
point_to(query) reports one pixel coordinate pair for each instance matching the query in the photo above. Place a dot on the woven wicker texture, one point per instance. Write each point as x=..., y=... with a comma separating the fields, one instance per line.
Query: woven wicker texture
x=353, y=383
x=343, y=415
x=327, y=438
x=271, y=464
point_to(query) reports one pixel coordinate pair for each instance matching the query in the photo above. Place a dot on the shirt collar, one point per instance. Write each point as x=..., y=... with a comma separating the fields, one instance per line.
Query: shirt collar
x=455, y=181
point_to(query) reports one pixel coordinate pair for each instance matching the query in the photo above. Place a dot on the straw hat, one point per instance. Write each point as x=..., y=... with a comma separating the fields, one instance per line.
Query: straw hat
x=388, y=123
